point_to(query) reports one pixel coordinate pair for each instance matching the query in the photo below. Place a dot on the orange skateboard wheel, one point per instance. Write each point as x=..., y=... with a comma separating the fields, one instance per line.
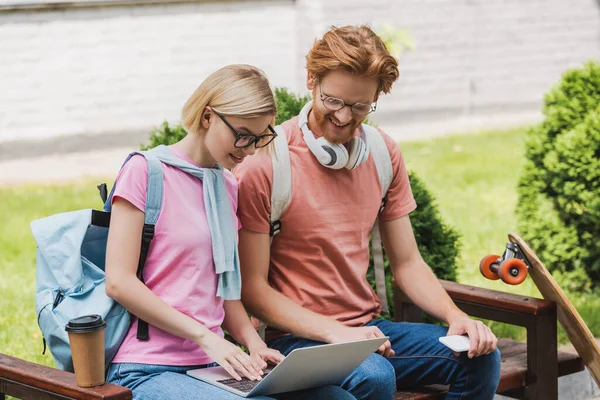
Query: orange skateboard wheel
x=513, y=271
x=485, y=266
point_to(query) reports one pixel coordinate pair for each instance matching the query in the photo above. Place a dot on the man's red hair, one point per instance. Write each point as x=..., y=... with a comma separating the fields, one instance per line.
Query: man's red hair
x=354, y=49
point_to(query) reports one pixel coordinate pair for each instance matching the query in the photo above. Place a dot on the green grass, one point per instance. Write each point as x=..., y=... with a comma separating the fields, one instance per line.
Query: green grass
x=19, y=332
x=473, y=178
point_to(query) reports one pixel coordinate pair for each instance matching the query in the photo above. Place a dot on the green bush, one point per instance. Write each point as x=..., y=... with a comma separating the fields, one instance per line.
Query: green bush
x=288, y=104
x=559, y=189
x=437, y=241
x=165, y=134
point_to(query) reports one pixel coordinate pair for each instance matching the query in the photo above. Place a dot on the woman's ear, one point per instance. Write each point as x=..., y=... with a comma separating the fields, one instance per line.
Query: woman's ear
x=206, y=116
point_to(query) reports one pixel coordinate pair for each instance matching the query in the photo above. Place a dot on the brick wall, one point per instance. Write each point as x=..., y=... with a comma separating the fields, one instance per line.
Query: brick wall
x=478, y=56
x=122, y=69
x=126, y=68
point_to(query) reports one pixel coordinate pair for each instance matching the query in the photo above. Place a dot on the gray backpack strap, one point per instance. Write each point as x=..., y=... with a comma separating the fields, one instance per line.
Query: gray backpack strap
x=381, y=156
x=383, y=163
x=154, y=197
x=281, y=191
x=154, y=190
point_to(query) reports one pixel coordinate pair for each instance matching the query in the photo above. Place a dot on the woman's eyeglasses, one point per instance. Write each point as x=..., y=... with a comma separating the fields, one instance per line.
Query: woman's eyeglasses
x=244, y=140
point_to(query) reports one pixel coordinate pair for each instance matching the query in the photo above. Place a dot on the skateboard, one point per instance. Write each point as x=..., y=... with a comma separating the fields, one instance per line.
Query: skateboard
x=518, y=261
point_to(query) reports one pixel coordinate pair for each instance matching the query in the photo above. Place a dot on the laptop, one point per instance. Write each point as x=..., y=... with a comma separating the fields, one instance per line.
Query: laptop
x=304, y=368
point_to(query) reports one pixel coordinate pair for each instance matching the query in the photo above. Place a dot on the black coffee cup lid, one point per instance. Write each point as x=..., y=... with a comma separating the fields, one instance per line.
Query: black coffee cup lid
x=85, y=323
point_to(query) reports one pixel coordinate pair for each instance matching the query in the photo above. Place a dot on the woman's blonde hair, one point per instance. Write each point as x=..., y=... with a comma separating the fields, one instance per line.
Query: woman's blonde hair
x=237, y=90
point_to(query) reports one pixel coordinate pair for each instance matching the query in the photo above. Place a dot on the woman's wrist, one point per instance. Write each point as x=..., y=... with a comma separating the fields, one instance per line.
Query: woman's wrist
x=200, y=334
x=254, y=342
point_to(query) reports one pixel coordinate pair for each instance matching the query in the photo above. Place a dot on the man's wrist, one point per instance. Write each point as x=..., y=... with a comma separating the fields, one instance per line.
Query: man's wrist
x=331, y=332
x=455, y=314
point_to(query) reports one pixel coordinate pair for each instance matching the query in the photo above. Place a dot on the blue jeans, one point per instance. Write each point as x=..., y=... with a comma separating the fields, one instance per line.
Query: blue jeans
x=420, y=360
x=149, y=382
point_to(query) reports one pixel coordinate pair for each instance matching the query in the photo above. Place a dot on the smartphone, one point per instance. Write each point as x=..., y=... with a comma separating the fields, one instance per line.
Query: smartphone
x=457, y=343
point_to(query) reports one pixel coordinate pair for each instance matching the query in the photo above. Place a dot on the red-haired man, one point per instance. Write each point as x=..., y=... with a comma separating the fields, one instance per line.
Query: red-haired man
x=309, y=286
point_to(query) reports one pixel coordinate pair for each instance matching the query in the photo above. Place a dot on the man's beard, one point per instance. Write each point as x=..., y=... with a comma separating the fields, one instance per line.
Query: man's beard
x=332, y=134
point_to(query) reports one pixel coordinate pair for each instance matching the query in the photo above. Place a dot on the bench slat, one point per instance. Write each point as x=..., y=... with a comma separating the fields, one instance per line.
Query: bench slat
x=433, y=392
x=17, y=374
x=513, y=375
x=497, y=299
x=488, y=297
x=22, y=391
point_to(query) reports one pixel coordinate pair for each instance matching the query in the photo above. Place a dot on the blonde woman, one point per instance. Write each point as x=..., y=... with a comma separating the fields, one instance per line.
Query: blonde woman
x=227, y=119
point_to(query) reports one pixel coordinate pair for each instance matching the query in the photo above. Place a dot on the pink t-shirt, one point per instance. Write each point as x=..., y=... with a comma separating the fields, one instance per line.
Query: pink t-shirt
x=320, y=258
x=179, y=268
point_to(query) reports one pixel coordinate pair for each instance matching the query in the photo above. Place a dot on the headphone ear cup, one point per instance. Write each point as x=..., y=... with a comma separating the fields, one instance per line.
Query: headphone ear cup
x=338, y=153
x=358, y=154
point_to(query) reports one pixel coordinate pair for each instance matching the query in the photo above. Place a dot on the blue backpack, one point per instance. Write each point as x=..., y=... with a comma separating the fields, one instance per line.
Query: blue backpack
x=70, y=261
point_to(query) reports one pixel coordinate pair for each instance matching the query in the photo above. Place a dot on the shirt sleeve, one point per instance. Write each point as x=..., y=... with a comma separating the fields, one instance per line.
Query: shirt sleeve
x=233, y=194
x=400, y=200
x=132, y=182
x=255, y=177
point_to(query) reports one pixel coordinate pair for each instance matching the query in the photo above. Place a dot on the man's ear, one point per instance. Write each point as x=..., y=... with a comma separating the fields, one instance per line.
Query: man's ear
x=206, y=116
x=377, y=94
x=311, y=81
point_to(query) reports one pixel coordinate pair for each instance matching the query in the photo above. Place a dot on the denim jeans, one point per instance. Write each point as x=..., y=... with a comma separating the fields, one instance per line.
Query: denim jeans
x=164, y=382
x=420, y=360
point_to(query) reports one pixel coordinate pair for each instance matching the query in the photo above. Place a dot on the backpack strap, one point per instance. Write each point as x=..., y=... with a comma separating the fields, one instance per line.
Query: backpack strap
x=154, y=196
x=383, y=163
x=281, y=191
x=381, y=156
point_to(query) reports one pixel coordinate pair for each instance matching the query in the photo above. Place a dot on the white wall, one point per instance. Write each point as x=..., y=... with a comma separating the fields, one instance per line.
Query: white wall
x=478, y=56
x=87, y=70
x=117, y=69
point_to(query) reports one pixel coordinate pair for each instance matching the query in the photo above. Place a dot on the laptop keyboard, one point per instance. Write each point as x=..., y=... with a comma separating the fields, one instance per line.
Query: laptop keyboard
x=245, y=385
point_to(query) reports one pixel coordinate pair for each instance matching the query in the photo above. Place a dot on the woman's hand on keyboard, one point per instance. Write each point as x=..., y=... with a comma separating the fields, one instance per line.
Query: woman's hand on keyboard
x=231, y=357
x=262, y=354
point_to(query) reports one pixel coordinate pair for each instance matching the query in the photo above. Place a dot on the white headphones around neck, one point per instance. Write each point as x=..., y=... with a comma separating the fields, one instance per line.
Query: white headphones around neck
x=331, y=155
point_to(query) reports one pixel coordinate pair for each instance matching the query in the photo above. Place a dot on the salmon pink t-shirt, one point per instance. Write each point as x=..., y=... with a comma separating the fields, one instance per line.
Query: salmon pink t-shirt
x=320, y=257
x=179, y=268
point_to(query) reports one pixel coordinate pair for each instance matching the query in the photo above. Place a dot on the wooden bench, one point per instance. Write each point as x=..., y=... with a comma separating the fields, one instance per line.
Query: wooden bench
x=529, y=370
x=26, y=380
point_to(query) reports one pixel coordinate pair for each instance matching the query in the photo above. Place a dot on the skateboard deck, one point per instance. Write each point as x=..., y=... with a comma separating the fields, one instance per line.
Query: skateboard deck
x=576, y=329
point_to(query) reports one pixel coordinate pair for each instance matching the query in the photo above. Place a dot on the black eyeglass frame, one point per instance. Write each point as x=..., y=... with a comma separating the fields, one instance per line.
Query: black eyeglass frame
x=344, y=104
x=253, y=138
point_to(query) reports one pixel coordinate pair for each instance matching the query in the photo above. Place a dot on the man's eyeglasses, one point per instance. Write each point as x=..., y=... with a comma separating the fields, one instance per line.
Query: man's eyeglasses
x=335, y=104
x=244, y=140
